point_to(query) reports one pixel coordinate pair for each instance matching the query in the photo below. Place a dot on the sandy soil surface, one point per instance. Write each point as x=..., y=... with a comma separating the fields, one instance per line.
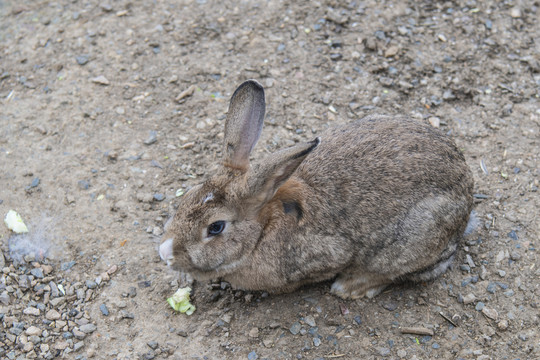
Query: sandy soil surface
x=107, y=109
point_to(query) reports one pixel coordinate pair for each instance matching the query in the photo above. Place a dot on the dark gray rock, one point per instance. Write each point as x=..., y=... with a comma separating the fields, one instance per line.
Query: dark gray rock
x=104, y=310
x=151, y=139
x=82, y=59
x=295, y=328
x=37, y=272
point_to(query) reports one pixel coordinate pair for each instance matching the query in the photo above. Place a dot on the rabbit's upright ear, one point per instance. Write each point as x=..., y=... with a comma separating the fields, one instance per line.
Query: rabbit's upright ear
x=244, y=124
x=276, y=169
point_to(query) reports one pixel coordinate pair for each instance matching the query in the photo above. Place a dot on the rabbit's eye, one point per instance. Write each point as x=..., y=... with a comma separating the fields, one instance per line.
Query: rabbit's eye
x=216, y=228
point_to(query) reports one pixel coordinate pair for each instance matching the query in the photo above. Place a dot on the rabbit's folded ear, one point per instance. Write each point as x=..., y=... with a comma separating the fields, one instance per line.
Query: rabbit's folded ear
x=244, y=124
x=275, y=170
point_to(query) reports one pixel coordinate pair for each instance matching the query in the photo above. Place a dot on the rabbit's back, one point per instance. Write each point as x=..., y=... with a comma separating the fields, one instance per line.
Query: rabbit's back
x=387, y=163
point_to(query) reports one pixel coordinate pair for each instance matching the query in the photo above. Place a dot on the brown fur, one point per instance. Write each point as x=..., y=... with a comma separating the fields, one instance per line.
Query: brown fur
x=378, y=201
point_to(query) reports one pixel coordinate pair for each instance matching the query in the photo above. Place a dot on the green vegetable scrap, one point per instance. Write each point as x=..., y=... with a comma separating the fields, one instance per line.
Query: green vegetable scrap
x=15, y=223
x=180, y=301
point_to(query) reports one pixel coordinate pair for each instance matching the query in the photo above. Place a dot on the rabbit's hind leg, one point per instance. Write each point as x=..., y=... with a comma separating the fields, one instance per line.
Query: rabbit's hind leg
x=356, y=286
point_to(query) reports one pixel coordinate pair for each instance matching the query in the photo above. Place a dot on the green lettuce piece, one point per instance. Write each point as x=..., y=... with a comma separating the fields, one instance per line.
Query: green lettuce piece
x=15, y=223
x=180, y=301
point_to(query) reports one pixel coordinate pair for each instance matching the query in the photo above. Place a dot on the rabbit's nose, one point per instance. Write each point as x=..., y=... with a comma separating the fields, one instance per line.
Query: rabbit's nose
x=166, y=251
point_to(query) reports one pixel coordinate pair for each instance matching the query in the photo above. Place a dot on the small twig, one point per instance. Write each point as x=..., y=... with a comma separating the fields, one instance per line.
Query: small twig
x=335, y=356
x=448, y=319
x=417, y=331
x=186, y=93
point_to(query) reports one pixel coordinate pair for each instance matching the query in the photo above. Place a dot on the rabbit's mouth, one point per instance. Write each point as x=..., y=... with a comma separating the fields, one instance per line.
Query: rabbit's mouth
x=198, y=265
x=166, y=251
x=218, y=269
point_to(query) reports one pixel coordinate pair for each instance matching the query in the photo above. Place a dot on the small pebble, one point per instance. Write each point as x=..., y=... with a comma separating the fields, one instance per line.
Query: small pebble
x=16, y=331
x=470, y=261
x=33, y=184
x=78, y=345
x=391, y=51
x=37, y=272
x=4, y=298
x=82, y=59
x=104, y=310
x=101, y=80
x=310, y=321
x=112, y=269
x=502, y=325
x=78, y=334
x=33, y=331
x=159, y=197
x=509, y=293
x=435, y=121
x=126, y=315
x=254, y=332
x=253, y=356
x=83, y=184
x=52, y=315
x=316, y=342
x=88, y=328
x=469, y=298
x=448, y=95
x=483, y=272
x=106, y=7
x=81, y=293
x=151, y=139
x=295, y=328
x=144, y=284
x=27, y=347
x=390, y=305
x=144, y=197
x=425, y=339
x=152, y=344
x=479, y=306
x=31, y=311
x=515, y=12
x=490, y=313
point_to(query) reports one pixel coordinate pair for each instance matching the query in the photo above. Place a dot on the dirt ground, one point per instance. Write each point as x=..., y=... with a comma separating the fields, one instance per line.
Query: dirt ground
x=107, y=109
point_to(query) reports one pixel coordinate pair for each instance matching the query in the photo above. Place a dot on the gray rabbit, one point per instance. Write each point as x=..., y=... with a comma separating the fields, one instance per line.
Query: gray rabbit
x=378, y=201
